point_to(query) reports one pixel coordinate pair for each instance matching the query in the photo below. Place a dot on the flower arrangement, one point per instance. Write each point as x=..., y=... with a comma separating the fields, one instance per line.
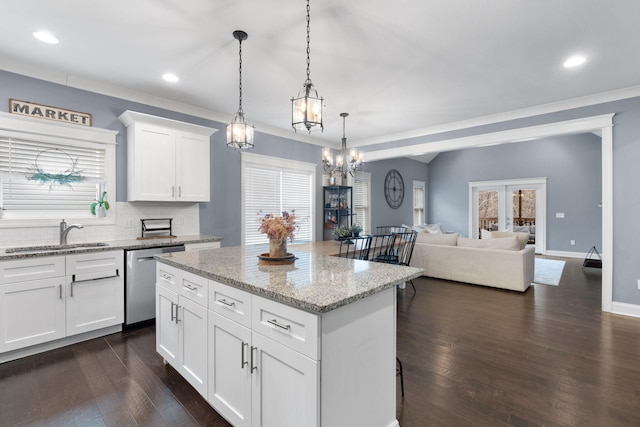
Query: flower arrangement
x=279, y=228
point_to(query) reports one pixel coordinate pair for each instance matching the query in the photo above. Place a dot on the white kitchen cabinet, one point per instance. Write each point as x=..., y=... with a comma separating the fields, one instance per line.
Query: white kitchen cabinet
x=181, y=324
x=167, y=160
x=95, y=291
x=255, y=380
x=32, y=312
x=45, y=300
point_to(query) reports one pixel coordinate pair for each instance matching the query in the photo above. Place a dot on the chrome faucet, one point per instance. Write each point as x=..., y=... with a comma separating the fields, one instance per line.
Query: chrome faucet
x=64, y=230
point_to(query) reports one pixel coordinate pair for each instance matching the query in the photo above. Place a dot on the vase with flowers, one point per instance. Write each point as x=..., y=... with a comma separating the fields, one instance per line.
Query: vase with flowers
x=279, y=229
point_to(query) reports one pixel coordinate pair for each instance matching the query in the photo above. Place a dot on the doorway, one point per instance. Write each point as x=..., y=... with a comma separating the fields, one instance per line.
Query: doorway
x=510, y=205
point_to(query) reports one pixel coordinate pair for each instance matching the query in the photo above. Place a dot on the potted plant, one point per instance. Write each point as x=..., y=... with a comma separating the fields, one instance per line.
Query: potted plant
x=355, y=229
x=342, y=232
x=100, y=207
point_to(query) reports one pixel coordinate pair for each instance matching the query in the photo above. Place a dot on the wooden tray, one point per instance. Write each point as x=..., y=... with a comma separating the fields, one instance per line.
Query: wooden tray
x=265, y=259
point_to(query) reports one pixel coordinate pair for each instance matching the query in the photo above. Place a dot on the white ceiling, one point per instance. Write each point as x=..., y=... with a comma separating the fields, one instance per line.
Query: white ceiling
x=394, y=66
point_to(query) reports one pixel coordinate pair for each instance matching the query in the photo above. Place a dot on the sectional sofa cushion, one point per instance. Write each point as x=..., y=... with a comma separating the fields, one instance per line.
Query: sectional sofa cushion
x=437, y=239
x=523, y=238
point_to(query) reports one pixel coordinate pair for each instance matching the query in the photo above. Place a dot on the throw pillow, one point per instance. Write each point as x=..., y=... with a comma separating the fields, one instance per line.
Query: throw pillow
x=523, y=238
x=507, y=243
x=437, y=239
x=471, y=243
x=434, y=228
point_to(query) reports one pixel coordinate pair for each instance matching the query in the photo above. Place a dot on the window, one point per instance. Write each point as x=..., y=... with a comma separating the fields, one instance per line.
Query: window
x=419, y=203
x=49, y=172
x=273, y=185
x=361, y=200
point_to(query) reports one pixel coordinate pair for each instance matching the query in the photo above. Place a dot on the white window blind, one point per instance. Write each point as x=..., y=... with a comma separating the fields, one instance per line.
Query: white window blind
x=271, y=187
x=418, y=203
x=42, y=179
x=361, y=201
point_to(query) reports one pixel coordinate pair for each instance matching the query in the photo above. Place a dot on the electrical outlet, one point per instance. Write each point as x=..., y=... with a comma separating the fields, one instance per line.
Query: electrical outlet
x=573, y=243
x=639, y=284
x=559, y=214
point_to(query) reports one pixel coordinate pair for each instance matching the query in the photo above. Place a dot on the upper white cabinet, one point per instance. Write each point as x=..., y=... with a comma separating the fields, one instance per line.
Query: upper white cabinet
x=167, y=160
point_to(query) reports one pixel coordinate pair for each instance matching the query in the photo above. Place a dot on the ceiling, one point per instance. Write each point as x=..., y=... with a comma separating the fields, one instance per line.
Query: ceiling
x=394, y=66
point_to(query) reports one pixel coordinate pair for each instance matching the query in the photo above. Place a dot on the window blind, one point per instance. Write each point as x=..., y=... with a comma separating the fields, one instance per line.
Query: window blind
x=418, y=205
x=273, y=190
x=361, y=196
x=37, y=176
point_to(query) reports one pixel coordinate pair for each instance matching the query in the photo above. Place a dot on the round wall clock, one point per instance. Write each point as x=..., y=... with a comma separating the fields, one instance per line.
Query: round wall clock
x=394, y=189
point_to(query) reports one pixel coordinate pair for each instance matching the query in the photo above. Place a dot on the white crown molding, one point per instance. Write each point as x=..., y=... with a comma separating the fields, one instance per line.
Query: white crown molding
x=501, y=137
x=101, y=88
x=585, y=101
x=77, y=82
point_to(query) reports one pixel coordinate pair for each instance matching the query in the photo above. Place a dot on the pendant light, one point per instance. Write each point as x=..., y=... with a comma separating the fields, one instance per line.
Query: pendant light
x=239, y=133
x=307, y=108
x=345, y=162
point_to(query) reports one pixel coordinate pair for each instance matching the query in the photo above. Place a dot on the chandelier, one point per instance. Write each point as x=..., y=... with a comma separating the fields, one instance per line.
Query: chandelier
x=239, y=133
x=344, y=163
x=307, y=107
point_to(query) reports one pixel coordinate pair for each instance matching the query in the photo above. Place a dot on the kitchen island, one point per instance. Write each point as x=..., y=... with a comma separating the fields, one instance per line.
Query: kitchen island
x=306, y=344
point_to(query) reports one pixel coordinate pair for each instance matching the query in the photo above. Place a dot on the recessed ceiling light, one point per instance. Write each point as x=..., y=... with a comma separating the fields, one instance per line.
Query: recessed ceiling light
x=574, y=61
x=170, y=77
x=45, y=36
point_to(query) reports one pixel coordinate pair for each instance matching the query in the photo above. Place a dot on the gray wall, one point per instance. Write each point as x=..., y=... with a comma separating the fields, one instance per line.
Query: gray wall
x=571, y=164
x=221, y=217
x=381, y=213
x=626, y=157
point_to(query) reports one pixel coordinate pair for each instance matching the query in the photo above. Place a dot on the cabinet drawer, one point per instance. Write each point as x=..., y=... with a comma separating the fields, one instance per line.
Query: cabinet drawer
x=21, y=270
x=294, y=328
x=194, y=287
x=167, y=276
x=95, y=262
x=230, y=302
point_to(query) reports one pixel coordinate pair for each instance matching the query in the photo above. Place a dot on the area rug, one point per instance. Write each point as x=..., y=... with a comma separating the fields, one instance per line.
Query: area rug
x=548, y=271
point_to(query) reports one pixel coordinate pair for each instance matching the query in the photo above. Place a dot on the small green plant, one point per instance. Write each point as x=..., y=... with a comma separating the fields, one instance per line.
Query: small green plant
x=101, y=203
x=342, y=232
x=356, y=229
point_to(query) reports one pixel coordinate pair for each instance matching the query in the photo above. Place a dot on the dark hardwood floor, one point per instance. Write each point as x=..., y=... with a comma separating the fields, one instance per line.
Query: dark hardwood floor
x=472, y=356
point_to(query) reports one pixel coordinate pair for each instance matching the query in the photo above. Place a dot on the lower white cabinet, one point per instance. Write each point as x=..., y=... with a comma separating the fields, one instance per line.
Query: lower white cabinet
x=95, y=291
x=32, y=312
x=43, y=299
x=255, y=380
x=181, y=329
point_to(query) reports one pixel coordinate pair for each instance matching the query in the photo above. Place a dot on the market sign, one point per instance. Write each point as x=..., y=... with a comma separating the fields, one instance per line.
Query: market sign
x=30, y=109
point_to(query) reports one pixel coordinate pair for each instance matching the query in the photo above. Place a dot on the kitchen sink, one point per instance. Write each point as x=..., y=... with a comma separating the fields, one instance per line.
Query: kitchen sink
x=53, y=248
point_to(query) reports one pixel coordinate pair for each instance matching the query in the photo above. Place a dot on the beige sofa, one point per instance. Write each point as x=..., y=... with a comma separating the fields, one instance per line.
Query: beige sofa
x=499, y=261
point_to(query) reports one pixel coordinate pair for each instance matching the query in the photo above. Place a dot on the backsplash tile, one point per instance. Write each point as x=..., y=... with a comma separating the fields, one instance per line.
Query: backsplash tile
x=186, y=221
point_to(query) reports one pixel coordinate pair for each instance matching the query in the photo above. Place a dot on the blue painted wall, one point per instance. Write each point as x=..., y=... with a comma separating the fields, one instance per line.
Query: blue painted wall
x=571, y=164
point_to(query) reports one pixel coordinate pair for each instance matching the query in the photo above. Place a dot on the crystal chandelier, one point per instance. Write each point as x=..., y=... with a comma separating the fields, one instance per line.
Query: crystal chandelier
x=344, y=163
x=239, y=133
x=307, y=108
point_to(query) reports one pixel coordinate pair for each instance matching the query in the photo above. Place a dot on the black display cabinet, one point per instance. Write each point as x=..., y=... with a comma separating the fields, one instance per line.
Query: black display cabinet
x=337, y=202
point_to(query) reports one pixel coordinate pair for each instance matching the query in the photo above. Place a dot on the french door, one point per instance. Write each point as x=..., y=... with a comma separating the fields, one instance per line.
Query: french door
x=510, y=205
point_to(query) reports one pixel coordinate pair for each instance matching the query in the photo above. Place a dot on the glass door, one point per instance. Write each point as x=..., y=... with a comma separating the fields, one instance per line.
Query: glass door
x=517, y=205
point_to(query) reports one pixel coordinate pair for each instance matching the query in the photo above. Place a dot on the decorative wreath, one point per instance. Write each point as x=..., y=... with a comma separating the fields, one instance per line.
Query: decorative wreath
x=66, y=177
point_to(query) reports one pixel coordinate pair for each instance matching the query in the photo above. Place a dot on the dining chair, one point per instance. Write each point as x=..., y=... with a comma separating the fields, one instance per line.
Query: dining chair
x=399, y=372
x=355, y=247
x=404, y=245
x=382, y=248
x=391, y=229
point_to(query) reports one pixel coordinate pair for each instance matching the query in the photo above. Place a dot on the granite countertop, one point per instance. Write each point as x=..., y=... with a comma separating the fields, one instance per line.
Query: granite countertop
x=315, y=282
x=108, y=245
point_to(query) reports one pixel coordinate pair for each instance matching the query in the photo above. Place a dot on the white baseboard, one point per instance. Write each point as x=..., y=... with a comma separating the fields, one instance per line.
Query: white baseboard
x=567, y=254
x=625, y=309
x=395, y=423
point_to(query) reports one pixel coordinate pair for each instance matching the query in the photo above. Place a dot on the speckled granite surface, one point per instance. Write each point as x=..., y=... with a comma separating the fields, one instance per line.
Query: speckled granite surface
x=316, y=283
x=85, y=247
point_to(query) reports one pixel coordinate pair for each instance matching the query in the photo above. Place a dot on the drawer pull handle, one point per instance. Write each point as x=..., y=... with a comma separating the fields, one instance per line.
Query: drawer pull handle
x=229, y=304
x=191, y=288
x=253, y=368
x=243, y=362
x=73, y=278
x=165, y=276
x=275, y=323
x=60, y=290
x=172, y=315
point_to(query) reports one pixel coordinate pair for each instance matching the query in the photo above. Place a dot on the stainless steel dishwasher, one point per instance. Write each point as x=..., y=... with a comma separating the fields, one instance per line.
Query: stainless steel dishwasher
x=140, y=283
